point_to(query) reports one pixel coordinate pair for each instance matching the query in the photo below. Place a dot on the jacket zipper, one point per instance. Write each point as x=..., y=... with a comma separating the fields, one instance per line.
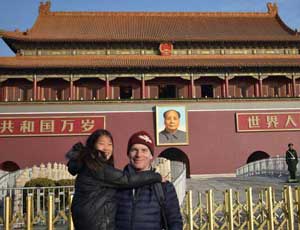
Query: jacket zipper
x=133, y=208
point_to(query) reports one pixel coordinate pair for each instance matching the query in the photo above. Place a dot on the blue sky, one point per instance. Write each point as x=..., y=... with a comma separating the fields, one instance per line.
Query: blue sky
x=21, y=14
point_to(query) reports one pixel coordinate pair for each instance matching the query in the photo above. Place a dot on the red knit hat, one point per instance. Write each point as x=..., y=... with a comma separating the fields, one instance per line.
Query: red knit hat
x=143, y=138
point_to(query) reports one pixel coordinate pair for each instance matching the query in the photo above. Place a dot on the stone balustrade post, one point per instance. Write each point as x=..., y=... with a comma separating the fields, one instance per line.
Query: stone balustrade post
x=54, y=171
x=35, y=172
x=49, y=170
x=42, y=170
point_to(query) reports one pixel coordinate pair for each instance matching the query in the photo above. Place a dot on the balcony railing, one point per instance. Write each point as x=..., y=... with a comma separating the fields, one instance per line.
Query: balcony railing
x=275, y=166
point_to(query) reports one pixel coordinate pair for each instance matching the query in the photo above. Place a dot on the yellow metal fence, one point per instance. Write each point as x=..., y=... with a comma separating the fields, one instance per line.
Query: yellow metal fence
x=204, y=213
x=232, y=213
x=29, y=207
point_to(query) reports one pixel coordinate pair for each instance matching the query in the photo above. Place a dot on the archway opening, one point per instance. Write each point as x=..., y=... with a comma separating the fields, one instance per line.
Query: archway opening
x=9, y=166
x=175, y=154
x=257, y=155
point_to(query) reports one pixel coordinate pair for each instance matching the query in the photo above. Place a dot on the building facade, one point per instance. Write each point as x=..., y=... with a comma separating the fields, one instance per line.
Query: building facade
x=123, y=65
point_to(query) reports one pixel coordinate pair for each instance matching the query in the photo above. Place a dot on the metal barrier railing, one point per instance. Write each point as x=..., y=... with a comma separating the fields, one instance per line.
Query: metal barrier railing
x=265, y=213
x=180, y=185
x=8, y=179
x=275, y=166
x=233, y=212
x=24, y=207
x=176, y=172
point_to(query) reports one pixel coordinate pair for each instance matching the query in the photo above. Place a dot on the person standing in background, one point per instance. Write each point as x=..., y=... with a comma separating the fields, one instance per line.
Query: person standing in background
x=292, y=161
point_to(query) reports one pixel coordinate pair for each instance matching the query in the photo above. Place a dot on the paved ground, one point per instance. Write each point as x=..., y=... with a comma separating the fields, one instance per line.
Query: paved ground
x=219, y=185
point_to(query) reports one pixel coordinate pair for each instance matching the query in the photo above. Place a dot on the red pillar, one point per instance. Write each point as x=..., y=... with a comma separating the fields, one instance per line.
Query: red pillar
x=257, y=89
x=223, y=89
x=294, y=86
x=143, y=88
x=5, y=93
x=34, y=88
x=261, y=87
x=107, y=88
x=192, y=93
x=289, y=90
x=38, y=93
x=71, y=88
x=226, y=86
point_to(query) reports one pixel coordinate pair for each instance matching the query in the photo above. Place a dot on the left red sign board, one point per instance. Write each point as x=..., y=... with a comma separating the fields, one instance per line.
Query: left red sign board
x=50, y=125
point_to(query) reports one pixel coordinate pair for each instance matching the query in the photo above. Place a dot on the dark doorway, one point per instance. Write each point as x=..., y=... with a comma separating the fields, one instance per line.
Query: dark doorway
x=59, y=93
x=24, y=93
x=174, y=154
x=207, y=91
x=167, y=91
x=9, y=166
x=125, y=92
x=257, y=155
x=94, y=93
x=276, y=91
x=244, y=90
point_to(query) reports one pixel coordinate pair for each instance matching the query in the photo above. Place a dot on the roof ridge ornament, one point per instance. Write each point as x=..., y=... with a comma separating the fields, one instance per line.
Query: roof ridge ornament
x=44, y=7
x=272, y=8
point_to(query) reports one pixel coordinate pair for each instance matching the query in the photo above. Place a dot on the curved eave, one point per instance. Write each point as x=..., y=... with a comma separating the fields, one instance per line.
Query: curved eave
x=9, y=44
x=285, y=26
x=145, y=62
x=23, y=38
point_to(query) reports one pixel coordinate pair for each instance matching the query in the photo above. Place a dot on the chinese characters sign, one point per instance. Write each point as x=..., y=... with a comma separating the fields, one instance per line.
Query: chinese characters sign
x=258, y=122
x=54, y=125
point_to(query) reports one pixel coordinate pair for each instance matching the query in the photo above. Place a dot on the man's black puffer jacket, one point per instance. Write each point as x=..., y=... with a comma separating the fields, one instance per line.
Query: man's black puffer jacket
x=140, y=210
x=94, y=203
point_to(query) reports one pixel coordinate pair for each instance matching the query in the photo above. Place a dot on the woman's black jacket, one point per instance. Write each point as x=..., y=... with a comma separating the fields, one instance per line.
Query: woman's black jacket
x=94, y=203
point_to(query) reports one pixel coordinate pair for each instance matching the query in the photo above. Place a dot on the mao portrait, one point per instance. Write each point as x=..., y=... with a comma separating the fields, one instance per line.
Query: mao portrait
x=171, y=125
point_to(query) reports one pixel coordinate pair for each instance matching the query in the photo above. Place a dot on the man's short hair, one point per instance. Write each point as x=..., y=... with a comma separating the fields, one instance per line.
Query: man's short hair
x=290, y=144
x=165, y=113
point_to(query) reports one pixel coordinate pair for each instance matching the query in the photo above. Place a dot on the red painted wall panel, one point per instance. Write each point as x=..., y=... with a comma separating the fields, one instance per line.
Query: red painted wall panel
x=215, y=146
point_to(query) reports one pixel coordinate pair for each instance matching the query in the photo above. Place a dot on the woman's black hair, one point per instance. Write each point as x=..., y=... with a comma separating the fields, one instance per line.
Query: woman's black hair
x=90, y=155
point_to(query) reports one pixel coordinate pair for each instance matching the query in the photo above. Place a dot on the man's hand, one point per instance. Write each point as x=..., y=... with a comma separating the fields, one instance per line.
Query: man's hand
x=164, y=179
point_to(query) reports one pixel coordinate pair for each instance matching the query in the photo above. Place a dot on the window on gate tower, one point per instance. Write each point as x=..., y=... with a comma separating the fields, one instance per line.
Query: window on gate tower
x=125, y=92
x=94, y=93
x=207, y=91
x=167, y=91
